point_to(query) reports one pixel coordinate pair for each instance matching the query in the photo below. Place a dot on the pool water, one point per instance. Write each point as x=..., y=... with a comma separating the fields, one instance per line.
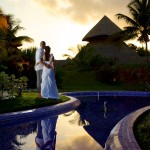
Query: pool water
x=69, y=136
x=88, y=127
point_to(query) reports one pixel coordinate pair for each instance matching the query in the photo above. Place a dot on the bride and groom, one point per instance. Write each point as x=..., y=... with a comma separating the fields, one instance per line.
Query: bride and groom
x=45, y=71
x=47, y=88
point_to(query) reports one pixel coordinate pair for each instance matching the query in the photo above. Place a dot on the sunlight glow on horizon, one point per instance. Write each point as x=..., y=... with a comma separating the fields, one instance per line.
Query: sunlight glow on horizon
x=61, y=24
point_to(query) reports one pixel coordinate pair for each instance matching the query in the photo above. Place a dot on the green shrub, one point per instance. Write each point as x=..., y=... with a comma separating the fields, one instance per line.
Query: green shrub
x=11, y=85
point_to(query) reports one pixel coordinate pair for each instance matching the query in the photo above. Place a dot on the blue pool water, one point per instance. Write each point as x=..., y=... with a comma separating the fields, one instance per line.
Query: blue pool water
x=87, y=127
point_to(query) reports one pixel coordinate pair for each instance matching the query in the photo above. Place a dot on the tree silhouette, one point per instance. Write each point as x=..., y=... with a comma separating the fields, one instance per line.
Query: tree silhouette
x=138, y=22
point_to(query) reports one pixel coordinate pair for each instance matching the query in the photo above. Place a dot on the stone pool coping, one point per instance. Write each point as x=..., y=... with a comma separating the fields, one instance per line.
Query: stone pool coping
x=121, y=137
x=15, y=118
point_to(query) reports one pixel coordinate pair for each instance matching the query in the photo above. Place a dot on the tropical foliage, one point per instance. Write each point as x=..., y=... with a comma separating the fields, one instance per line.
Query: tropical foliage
x=138, y=22
x=9, y=41
x=139, y=50
x=28, y=62
x=10, y=85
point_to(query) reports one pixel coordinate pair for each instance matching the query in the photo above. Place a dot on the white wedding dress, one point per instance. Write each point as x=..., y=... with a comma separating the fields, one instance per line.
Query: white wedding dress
x=48, y=85
x=46, y=134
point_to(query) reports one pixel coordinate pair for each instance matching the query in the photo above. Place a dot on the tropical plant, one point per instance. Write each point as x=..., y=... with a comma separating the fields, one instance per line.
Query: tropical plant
x=83, y=57
x=28, y=55
x=9, y=42
x=28, y=62
x=3, y=27
x=10, y=85
x=138, y=22
x=133, y=47
x=141, y=52
x=12, y=41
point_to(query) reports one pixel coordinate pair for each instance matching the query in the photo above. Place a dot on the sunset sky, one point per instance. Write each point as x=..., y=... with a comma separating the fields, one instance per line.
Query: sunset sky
x=61, y=23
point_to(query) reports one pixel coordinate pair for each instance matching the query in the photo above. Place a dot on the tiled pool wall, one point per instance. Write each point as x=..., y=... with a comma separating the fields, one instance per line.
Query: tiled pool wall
x=15, y=118
x=121, y=136
x=108, y=93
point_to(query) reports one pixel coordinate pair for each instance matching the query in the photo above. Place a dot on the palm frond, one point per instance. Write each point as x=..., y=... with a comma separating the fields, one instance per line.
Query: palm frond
x=140, y=24
x=135, y=4
x=22, y=39
x=133, y=12
x=127, y=19
x=67, y=55
x=1, y=12
x=11, y=21
x=16, y=29
x=131, y=29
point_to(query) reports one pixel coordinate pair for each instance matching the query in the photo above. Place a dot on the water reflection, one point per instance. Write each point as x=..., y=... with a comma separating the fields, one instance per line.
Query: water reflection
x=88, y=127
x=10, y=139
x=99, y=116
x=41, y=135
x=105, y=109
x=73, y=137
x=46, y=134
x=83, y=142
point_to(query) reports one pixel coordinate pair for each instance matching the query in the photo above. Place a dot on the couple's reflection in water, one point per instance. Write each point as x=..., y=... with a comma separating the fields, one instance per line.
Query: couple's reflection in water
x=14, y=137
x=46, y=134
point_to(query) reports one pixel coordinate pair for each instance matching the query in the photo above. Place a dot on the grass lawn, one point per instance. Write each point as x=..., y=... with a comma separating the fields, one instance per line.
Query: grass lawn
x=86, y=81
x=27, y=101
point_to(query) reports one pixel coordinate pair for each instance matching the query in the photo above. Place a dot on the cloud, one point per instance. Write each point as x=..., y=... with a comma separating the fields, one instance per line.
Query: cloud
x=84, y=11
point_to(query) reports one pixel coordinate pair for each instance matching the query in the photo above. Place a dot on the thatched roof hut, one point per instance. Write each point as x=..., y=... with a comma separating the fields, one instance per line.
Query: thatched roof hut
x=118, y=50
x=102, y=29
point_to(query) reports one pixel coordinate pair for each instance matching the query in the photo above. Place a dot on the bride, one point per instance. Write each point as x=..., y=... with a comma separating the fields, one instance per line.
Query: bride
x=48, y=85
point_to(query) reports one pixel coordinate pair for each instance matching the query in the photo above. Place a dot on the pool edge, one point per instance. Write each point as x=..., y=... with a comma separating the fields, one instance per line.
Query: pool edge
x=15, y=118
x=121, y=136
x=119, y=140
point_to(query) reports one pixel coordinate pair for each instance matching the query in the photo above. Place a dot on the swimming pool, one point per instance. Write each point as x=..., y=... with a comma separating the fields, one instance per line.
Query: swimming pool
x=86, y=127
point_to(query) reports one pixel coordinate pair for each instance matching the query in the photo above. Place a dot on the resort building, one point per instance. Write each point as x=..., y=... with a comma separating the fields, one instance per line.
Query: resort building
x=116, y=49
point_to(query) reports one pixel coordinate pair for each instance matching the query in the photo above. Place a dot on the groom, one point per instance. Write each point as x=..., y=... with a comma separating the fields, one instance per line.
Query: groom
x=39, y=66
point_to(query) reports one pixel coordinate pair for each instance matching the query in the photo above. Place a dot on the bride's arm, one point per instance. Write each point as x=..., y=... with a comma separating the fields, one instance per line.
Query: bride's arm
x=53, y=65
x=46, y=64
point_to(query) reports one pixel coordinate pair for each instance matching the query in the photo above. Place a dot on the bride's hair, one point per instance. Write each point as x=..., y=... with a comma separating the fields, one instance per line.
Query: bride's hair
x=47, y=53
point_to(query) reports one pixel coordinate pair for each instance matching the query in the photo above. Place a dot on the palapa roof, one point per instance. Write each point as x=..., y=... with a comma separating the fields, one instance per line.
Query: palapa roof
x=103, y=28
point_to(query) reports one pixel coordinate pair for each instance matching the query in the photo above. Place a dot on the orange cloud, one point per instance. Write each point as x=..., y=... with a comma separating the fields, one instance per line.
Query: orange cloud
x=84, y=11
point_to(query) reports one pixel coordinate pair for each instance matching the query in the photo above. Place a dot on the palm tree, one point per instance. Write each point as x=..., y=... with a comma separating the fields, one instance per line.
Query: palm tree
x=10, y=42
x=3, y=28
x=84, y=54
x=139, y=22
